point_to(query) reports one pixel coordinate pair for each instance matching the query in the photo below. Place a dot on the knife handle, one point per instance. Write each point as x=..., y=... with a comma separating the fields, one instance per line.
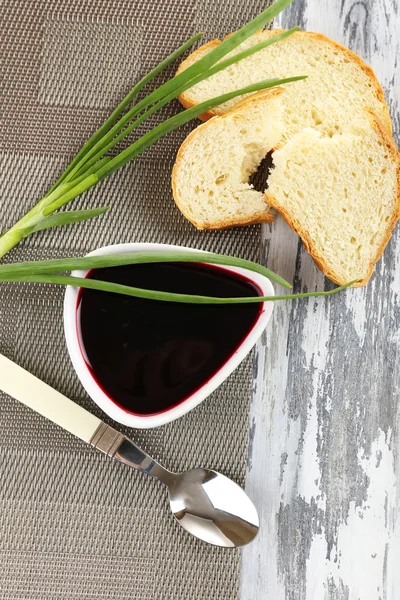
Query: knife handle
x=62, y=411
x=37, y=395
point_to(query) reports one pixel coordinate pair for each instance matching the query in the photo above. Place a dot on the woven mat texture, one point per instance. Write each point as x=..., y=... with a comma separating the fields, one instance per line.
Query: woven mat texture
x=72, y=523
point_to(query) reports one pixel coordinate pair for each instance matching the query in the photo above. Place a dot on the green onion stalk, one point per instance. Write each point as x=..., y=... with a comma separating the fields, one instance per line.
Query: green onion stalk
x=48, y=272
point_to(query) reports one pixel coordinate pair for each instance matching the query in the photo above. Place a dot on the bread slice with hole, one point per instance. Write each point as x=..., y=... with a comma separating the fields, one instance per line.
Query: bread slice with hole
x=210, y=178
x=338, y=87
x=341, y=194
x=336, y=168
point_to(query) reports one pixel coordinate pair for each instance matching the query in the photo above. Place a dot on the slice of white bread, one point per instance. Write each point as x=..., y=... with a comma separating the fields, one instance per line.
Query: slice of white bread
x=213, y=166
x=338, y=86
x=336, y=175
x=341, y=194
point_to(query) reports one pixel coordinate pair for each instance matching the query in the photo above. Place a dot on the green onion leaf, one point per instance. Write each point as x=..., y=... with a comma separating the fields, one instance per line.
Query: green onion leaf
x=73, y=191
x=109, y=141
x=175, y=86
x=65, y=218
x=125, y=290
x=148, y=139
x=104, y=147
x=127, y=100
x=41, y=267
x=50, y=198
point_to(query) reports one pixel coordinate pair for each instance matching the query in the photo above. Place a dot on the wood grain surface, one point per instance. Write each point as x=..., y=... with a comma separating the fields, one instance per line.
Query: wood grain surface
x=323, y=467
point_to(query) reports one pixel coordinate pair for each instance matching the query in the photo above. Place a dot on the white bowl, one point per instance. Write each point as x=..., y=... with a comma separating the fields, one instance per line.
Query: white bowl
x=72, y=334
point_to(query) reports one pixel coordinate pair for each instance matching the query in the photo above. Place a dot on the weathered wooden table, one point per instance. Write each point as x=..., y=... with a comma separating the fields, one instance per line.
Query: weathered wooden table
x=324, y=431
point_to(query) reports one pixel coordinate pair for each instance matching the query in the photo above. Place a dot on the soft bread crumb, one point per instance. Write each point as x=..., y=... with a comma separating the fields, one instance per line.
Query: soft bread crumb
x=214, y=164
x=341, y=195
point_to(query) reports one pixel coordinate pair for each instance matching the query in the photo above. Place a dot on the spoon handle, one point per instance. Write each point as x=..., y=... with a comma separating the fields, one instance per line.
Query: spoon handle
x=34, y=393
x=120, y=448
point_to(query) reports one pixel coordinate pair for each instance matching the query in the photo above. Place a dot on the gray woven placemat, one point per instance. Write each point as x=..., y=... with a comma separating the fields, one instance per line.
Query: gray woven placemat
x=72, y=523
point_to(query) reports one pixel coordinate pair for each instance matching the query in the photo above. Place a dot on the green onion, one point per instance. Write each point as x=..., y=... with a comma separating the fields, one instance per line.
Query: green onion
x=186, y=78
x=45, y=271
x=66, y=218
x=42, y=267
x=109, y=141
x=91, y=166
x=125, y=102
x=67, y=192
x=125, y=290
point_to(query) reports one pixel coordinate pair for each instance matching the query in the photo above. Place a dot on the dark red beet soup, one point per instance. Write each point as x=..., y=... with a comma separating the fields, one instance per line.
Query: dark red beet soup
x=149, y=355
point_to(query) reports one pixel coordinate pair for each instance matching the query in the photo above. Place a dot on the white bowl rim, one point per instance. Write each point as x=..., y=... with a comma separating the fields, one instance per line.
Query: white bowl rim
x=154, y=420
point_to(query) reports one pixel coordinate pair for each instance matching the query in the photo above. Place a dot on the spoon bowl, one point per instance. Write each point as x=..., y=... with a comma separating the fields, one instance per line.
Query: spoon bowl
x=213, y=508
x=205, y=503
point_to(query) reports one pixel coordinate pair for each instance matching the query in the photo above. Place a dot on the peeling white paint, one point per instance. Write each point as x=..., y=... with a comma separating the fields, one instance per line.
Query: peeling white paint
x=315, y=348
x=365, y=531
x=365, y=534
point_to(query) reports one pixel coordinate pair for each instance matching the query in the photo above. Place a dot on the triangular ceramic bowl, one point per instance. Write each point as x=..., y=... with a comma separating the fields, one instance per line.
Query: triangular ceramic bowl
x=72, y=335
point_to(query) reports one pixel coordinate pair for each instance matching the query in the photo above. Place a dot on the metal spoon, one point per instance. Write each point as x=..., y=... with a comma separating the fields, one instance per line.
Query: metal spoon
x=205, y=503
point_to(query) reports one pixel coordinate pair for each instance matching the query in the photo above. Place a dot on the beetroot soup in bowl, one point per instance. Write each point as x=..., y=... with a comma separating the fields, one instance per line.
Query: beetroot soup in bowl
x=148, y=362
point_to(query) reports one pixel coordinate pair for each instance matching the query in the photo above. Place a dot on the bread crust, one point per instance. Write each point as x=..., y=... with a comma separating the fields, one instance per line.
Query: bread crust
x=318, y=258
x=187, y=100
x=382, y=128
x=263, y=217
